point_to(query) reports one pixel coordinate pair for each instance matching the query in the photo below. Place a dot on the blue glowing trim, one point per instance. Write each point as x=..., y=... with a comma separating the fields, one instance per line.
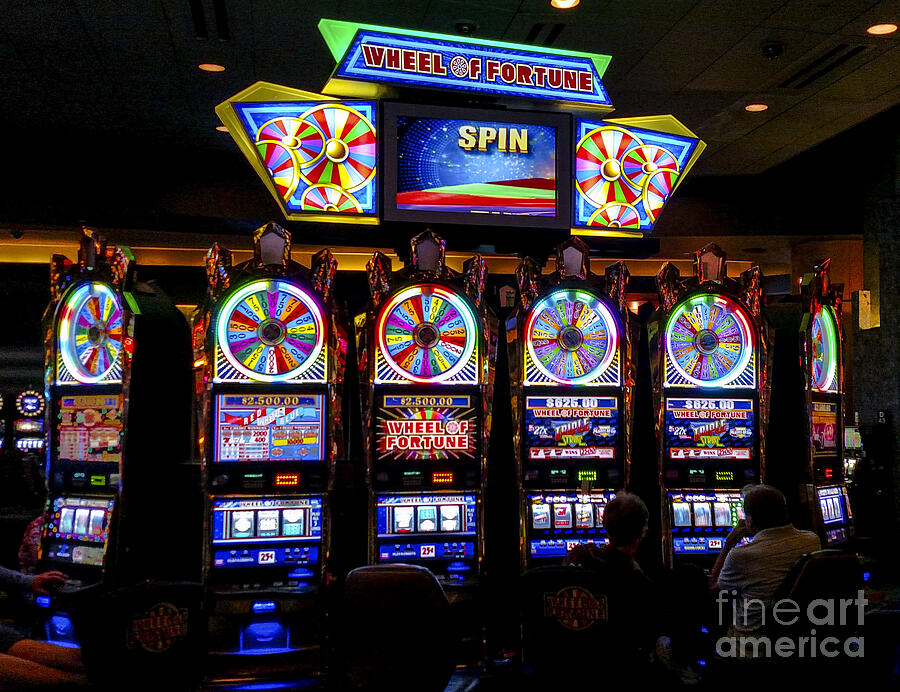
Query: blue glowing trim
x=264, y=607
x=867, y=576
x=458, y=65
x=43, y=601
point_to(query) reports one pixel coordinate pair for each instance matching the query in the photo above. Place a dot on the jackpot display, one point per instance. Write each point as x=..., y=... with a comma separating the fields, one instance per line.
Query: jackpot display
x=269, y=358
x=426, y=349
x=709, y=357
x=570, y=378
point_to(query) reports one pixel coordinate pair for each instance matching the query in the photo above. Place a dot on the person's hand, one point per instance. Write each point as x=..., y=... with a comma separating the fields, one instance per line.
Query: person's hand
x=47, y=579
x=738, y=533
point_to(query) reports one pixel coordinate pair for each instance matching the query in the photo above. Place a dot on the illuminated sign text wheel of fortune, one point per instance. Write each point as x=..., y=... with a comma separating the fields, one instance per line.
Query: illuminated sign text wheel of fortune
x=571, y=336
x=426, y=333
x=824, y=350
x=709, y=340
x=270, y=330
x=90, y=333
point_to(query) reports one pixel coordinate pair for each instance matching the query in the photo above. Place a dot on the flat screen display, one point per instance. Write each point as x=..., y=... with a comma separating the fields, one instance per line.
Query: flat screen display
x=571, y=427
x=710, y=428
x=459, y=165
x=852, y=439
x=426, y=427
x=77, y=529
x=269, y=427
x=266, y=532
x=89, y=428
x=825, y=428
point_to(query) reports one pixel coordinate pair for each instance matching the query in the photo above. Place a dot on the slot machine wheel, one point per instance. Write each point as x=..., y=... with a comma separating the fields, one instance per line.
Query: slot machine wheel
x=657, y=189
x=90, y=333
x=571, y=337
x=641, y=162
x=282, y=166
x=270, y=331
x=824, y=350
x=328, y=198
x=599, y=175
x=426, y=333
x=616, y=215
x=302, y=137
x=349, y=149
x=709, y=341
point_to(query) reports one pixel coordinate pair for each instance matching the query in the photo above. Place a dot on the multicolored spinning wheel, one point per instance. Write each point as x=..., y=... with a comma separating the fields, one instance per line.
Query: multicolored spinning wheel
x=598, y=167
x=90, y=334
x=282, y=166
x=616, y=215
x=270, y=330
x=709, y=340
x=426, y=333
x=328, y=198
x=657, y=189
x=302, y=137
x=642, y=161
x=349, y=160
x=824, y=350
x=571, y=336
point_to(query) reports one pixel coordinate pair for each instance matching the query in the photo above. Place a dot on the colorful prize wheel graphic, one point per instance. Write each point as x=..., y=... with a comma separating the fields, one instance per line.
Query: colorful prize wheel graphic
x=426, y=334
x=349, y=149
x=709, y=343
x=269, y=331
x=571, y=337
x=824, y=350
x=328, y=198
x=599, y=171
x=286, y=144
x=90, y=335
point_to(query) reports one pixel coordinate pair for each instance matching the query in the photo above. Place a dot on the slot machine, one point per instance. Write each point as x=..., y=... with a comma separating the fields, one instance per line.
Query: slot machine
x=118, y=395
x=28, y=428
x=571, y=377
x=269, y=365
x=427, y=347
x=821, y=342
x=709, y=347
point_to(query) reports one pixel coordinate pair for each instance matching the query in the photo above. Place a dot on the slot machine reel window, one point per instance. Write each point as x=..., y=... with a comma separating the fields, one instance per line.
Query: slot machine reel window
x=426, y=427
x=405, y=516
x=78, y=530
x=270, y=331
x=571, y=338
x=832, y=503
x=568, y=427
x=91, y=336
x=560, y=522
x=710, y=342
x=269, y=427
x=256, y=532
x=427, y=334
x=701, y=428
x=701, y=521
x=825, y=350
x=89, y=428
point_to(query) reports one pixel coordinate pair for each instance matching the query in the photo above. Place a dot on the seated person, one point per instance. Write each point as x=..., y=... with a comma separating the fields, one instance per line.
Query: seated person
x=753, y=572
x=28, y=664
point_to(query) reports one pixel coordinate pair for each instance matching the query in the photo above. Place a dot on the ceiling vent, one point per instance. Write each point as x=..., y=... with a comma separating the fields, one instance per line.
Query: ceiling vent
x=821, y=66
x=204, y=10
x=544, y=34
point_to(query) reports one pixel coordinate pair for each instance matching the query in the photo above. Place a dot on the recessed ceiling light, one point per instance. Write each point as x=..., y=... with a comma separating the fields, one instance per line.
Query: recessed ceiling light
x=564, y=4
x=881, y=29
x=221, y=128
x=211, y=67
x=755, y=107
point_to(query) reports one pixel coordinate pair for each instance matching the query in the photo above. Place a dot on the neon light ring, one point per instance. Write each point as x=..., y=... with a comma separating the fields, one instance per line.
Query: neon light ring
x=825, y=350
x=270, y=330
x=426, y=333
x=571, y=336
x=709, y=340
x=90, y=333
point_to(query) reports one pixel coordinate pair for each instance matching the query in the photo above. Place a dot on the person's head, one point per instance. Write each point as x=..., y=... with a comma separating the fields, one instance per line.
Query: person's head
x=765, y=508
x=625, y=520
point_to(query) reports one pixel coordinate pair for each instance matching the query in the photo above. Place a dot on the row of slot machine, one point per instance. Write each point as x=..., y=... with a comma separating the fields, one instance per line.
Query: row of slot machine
x=263, y=369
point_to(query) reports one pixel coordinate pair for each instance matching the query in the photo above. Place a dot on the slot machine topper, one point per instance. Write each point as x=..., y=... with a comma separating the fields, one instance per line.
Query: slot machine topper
x=710, y=359
x=269, y=357
x=821, y=348
x=572, y=381
x=117, y=391
x=427, y=347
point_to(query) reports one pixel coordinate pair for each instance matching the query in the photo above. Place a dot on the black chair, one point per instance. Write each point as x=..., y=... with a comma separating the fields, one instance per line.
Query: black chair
x=394, y=631
x=578, y=626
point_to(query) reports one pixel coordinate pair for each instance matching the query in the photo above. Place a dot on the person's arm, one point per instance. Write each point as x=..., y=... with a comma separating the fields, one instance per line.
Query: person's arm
x=10, y=577
x=738, y=533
